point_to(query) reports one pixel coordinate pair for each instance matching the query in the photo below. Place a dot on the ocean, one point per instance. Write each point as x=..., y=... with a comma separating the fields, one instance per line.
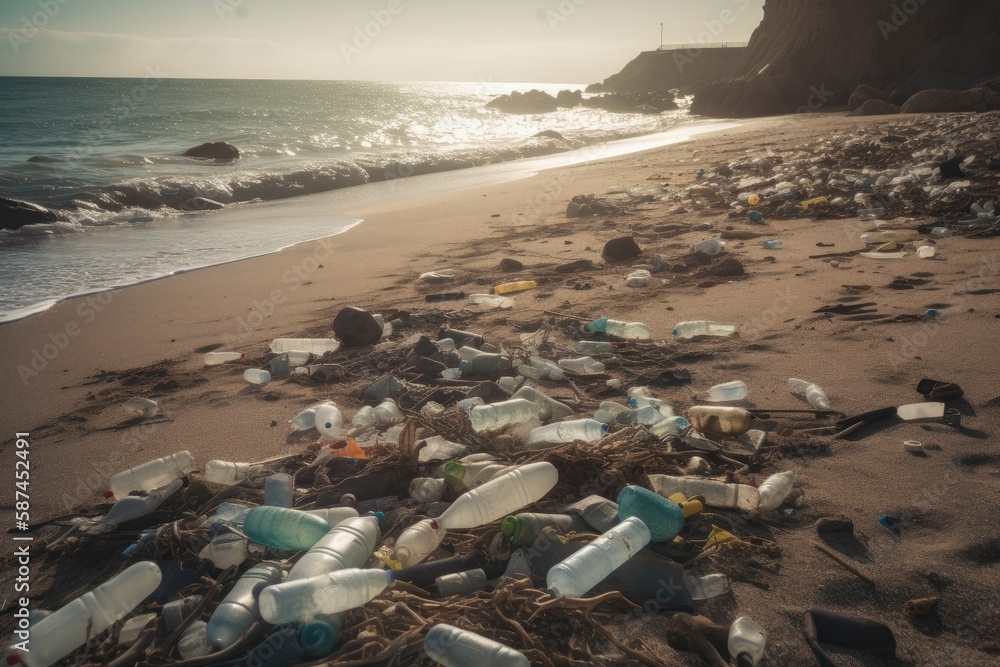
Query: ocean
x=106, y=155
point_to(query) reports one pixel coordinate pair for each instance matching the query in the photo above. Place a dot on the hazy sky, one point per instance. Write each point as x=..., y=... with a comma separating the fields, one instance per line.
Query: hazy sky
x=457, y=40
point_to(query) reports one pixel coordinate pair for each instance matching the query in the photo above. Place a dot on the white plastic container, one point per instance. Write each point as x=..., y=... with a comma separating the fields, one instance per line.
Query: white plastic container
x=256, y=376
x=501, y=496
x=349, y=544
x=328, y=421
x=324, y=594
x=418, y=542
x=278, y=490
x=809, y=392
x=915, y=411
x=702, y=328
x=716, y=494
x=216, y=358
x=239, y=610
x=317, y=346
x=746, y=642
x=427, y=489
x=133, y=507
x=709, y=246
x=58, y=635
x=454, y=647
x=153, y=474
x=592, y=564
x=587, y=430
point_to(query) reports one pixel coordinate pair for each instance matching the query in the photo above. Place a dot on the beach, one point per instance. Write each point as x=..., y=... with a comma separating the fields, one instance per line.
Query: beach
x=68, y=369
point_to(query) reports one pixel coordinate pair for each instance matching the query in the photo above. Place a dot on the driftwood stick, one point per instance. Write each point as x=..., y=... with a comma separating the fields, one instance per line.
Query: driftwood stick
x=843, y=562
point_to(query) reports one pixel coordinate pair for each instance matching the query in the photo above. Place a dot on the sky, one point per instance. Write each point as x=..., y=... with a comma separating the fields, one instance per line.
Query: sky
x=391, y=40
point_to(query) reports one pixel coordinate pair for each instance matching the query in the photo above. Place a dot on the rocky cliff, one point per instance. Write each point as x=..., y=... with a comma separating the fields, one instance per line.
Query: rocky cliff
x=660, y=71
x=807, y=55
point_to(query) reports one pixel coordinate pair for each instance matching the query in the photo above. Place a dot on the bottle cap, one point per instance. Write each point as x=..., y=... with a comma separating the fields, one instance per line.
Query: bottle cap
x=379, y=515
x=435, y=525
x=349, y=499
x=106, y=494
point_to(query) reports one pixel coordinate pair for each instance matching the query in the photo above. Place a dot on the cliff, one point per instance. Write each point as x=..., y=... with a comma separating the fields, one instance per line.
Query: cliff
x=660, y=71
x=807, y=55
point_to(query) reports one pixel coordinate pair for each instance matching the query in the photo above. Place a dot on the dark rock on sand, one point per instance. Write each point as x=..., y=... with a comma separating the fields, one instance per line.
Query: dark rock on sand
x=16, y=213
x=865, y=93
x=573, y=267
x=940, y=101
x=875, y=108
x=727, y=267
x=550, y=134
x=510, y=265
x=219, y=150
x=582, y=206
x=533, y=101
x=621, y=249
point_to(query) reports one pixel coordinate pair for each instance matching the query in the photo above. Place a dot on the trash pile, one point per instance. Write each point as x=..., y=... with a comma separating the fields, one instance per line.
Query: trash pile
x=492, y=502
x=942, y=167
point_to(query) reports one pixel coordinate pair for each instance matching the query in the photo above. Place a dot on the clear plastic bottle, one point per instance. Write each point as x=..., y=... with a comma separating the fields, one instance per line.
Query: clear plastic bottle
x=470, y=475
x=592, y=347
x=773, y=244
x=638, y=278
x=454, y=647
x=226, y=549
x=257, y=376
x=729, y=391
x=592, y=564
x=610, y=412
x=485, y=363
x=809, y=392
x=284, y=528
x=716, y=494
x=141, y=407
x=317, y=346
x=226, y=472
x=491, y=300
x=746, y=642
x=546, y=367
x=278, y=490
x=706, y=587
x=334, y=516
x=238, y=611
x=349, y=544
x=582, y=365
x=663, y=518
x=774, y=490
x=501, y=496
x=548, y=408
x=522, y=529
x=427, y=489
x=709, y=246
x=469, y=403
x=153, y=474
x=619, y=329
x=720, y=420
x=133, y=507
x=385, y=411
x=504, y=413
x=461, y=583
x=216, y=358
x=329, y=593
x=669, y=426
x=418, y=542
x=61, y=633
x=587, y=430
x=328, y=421
x=702, y=328
x=306, y=419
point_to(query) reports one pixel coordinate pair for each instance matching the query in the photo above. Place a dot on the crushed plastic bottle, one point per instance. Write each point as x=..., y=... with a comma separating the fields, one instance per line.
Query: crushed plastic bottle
x=461, y=583
x=587, y=430
x=809, y=392
x=548, y=408
x=454, y=647
x=385, y=411
x=238, y=611
x=730, y=391
x=492, y=301
x=702, y=328
x=427, y=489
x=709, y=246
x=500, y=496
x=227, y=472
x=256, y=376
x=589, y=347
x=773, y=244
x=720, y=420
x=638, y=278
x=593, y=563
x=504, y=413
x=418, y=542
x=523, y=529
x=216, y=358
x=226, y=549
x=619, y=329
x=323, y=594
x=545, y=366
x=707, y=587
x=582, y=365
x=926, y=252
x=746, y=642
x=484, y=363
x=152, y=475
x=317, y=346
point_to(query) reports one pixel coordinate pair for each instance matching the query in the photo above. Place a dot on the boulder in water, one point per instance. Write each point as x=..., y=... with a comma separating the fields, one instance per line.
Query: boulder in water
x=533, y=101
x=218, y=150
x=15, y=213
x=569, y=98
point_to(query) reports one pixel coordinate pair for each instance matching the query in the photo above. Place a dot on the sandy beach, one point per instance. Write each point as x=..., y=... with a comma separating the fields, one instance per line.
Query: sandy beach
x=147, y=340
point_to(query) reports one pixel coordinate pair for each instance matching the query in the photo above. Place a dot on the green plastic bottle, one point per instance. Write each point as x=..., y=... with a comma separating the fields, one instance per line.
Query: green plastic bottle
x=663, y=518
x=284, y=528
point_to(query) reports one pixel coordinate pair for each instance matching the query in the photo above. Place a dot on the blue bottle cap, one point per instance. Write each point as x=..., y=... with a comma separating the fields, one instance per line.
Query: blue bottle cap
x=379, y=515
x=932, y=313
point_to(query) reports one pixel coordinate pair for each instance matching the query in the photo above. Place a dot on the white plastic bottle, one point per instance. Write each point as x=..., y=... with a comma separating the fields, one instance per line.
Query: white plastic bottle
x=256, y=376
x=709, y=246
x=226, y=549
x=306, y=419
x=504, y=413
x=548, y=408
x=915, y=411
x=278, y=490
x=592, y=347
x=385, y=411
x=133, y=507
x=328, y=421
x=587, y=430
x=153, y=474
x=592, y=564
x=335, y=515
x=809, y=392
x=773, y=490
x=427, y=489
x=619, y=329
x=317, y=346
x=418, y=542
x=216, y=358
x=454, y=647
x=706, y=587
x=349, y=544
x=746, y=642
x=58, y=635
x=238, y=611
x=582, y=365
x=716, y=494
x=729, y=391
x=329, y=593
x=702, y=328
x=501, y=496
x=226, y=472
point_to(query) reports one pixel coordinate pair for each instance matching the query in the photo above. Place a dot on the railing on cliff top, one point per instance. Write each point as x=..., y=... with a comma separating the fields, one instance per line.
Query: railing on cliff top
x=702, y=45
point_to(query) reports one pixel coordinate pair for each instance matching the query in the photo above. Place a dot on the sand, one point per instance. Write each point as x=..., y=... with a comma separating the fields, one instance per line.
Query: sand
x=147, y=340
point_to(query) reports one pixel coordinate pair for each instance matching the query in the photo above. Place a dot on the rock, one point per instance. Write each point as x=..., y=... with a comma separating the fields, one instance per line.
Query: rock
x=42, y=158
x=550, y=134
x=569, y=98
x=726, y=267
x=875, y=108
x=920, y=607
x=356, y=328
x=582, y=206
x=898, y=98
x=946, y=101
x=865, y=93
x=202, y=204
x=15, y=213
x=533, y=101
x=573, y=267
x=621, y=249
x=510, y=265
x=219, y=150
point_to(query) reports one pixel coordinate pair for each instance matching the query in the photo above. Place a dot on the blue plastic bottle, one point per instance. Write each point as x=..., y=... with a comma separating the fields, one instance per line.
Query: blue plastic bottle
x=663, y=518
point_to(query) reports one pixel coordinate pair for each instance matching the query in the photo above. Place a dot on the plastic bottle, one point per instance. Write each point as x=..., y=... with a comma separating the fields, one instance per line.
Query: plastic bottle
x=707, y=587
x=226, y=549
x=715, y=494
x=469, y=403
x=590, y=565
x=915, y=411
x=228, y=472
x=349, y=544
x=592, y=346
x=385, y=411
x=501, y=496
x=328, y=593
x=461, y=583
x=418, y=542
x=454, y=647
x=548, y=408
x=427, y=489
x=284, y=528
x=256, y=376
x=588, y=430
x=328, y=420
x=523, y=529
x=216, y=358
x=773, y=244
x=709, y=246
x=317, y=346
x=460, y=338
x=940, y=233
x=926, y=252
x=582, y=365
x=669, y=426
x=278, y=490
x=491, y=300
x=546, y=366
x=61, y=633
x=729, y=391
x=133, y=507
x=619, y=329
x=141, y=407
x=746, y=642
x=485, y=363
x=809, y=392
x=519, y=286
x=610, y=412
x=638, y=278
x=663, y=518
x=702, y=328
x=774, y=490
x=153, y=474
x=471, y=475
x=720, y=420
x=238, y=611
x=334, y=516
x=504, y=413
